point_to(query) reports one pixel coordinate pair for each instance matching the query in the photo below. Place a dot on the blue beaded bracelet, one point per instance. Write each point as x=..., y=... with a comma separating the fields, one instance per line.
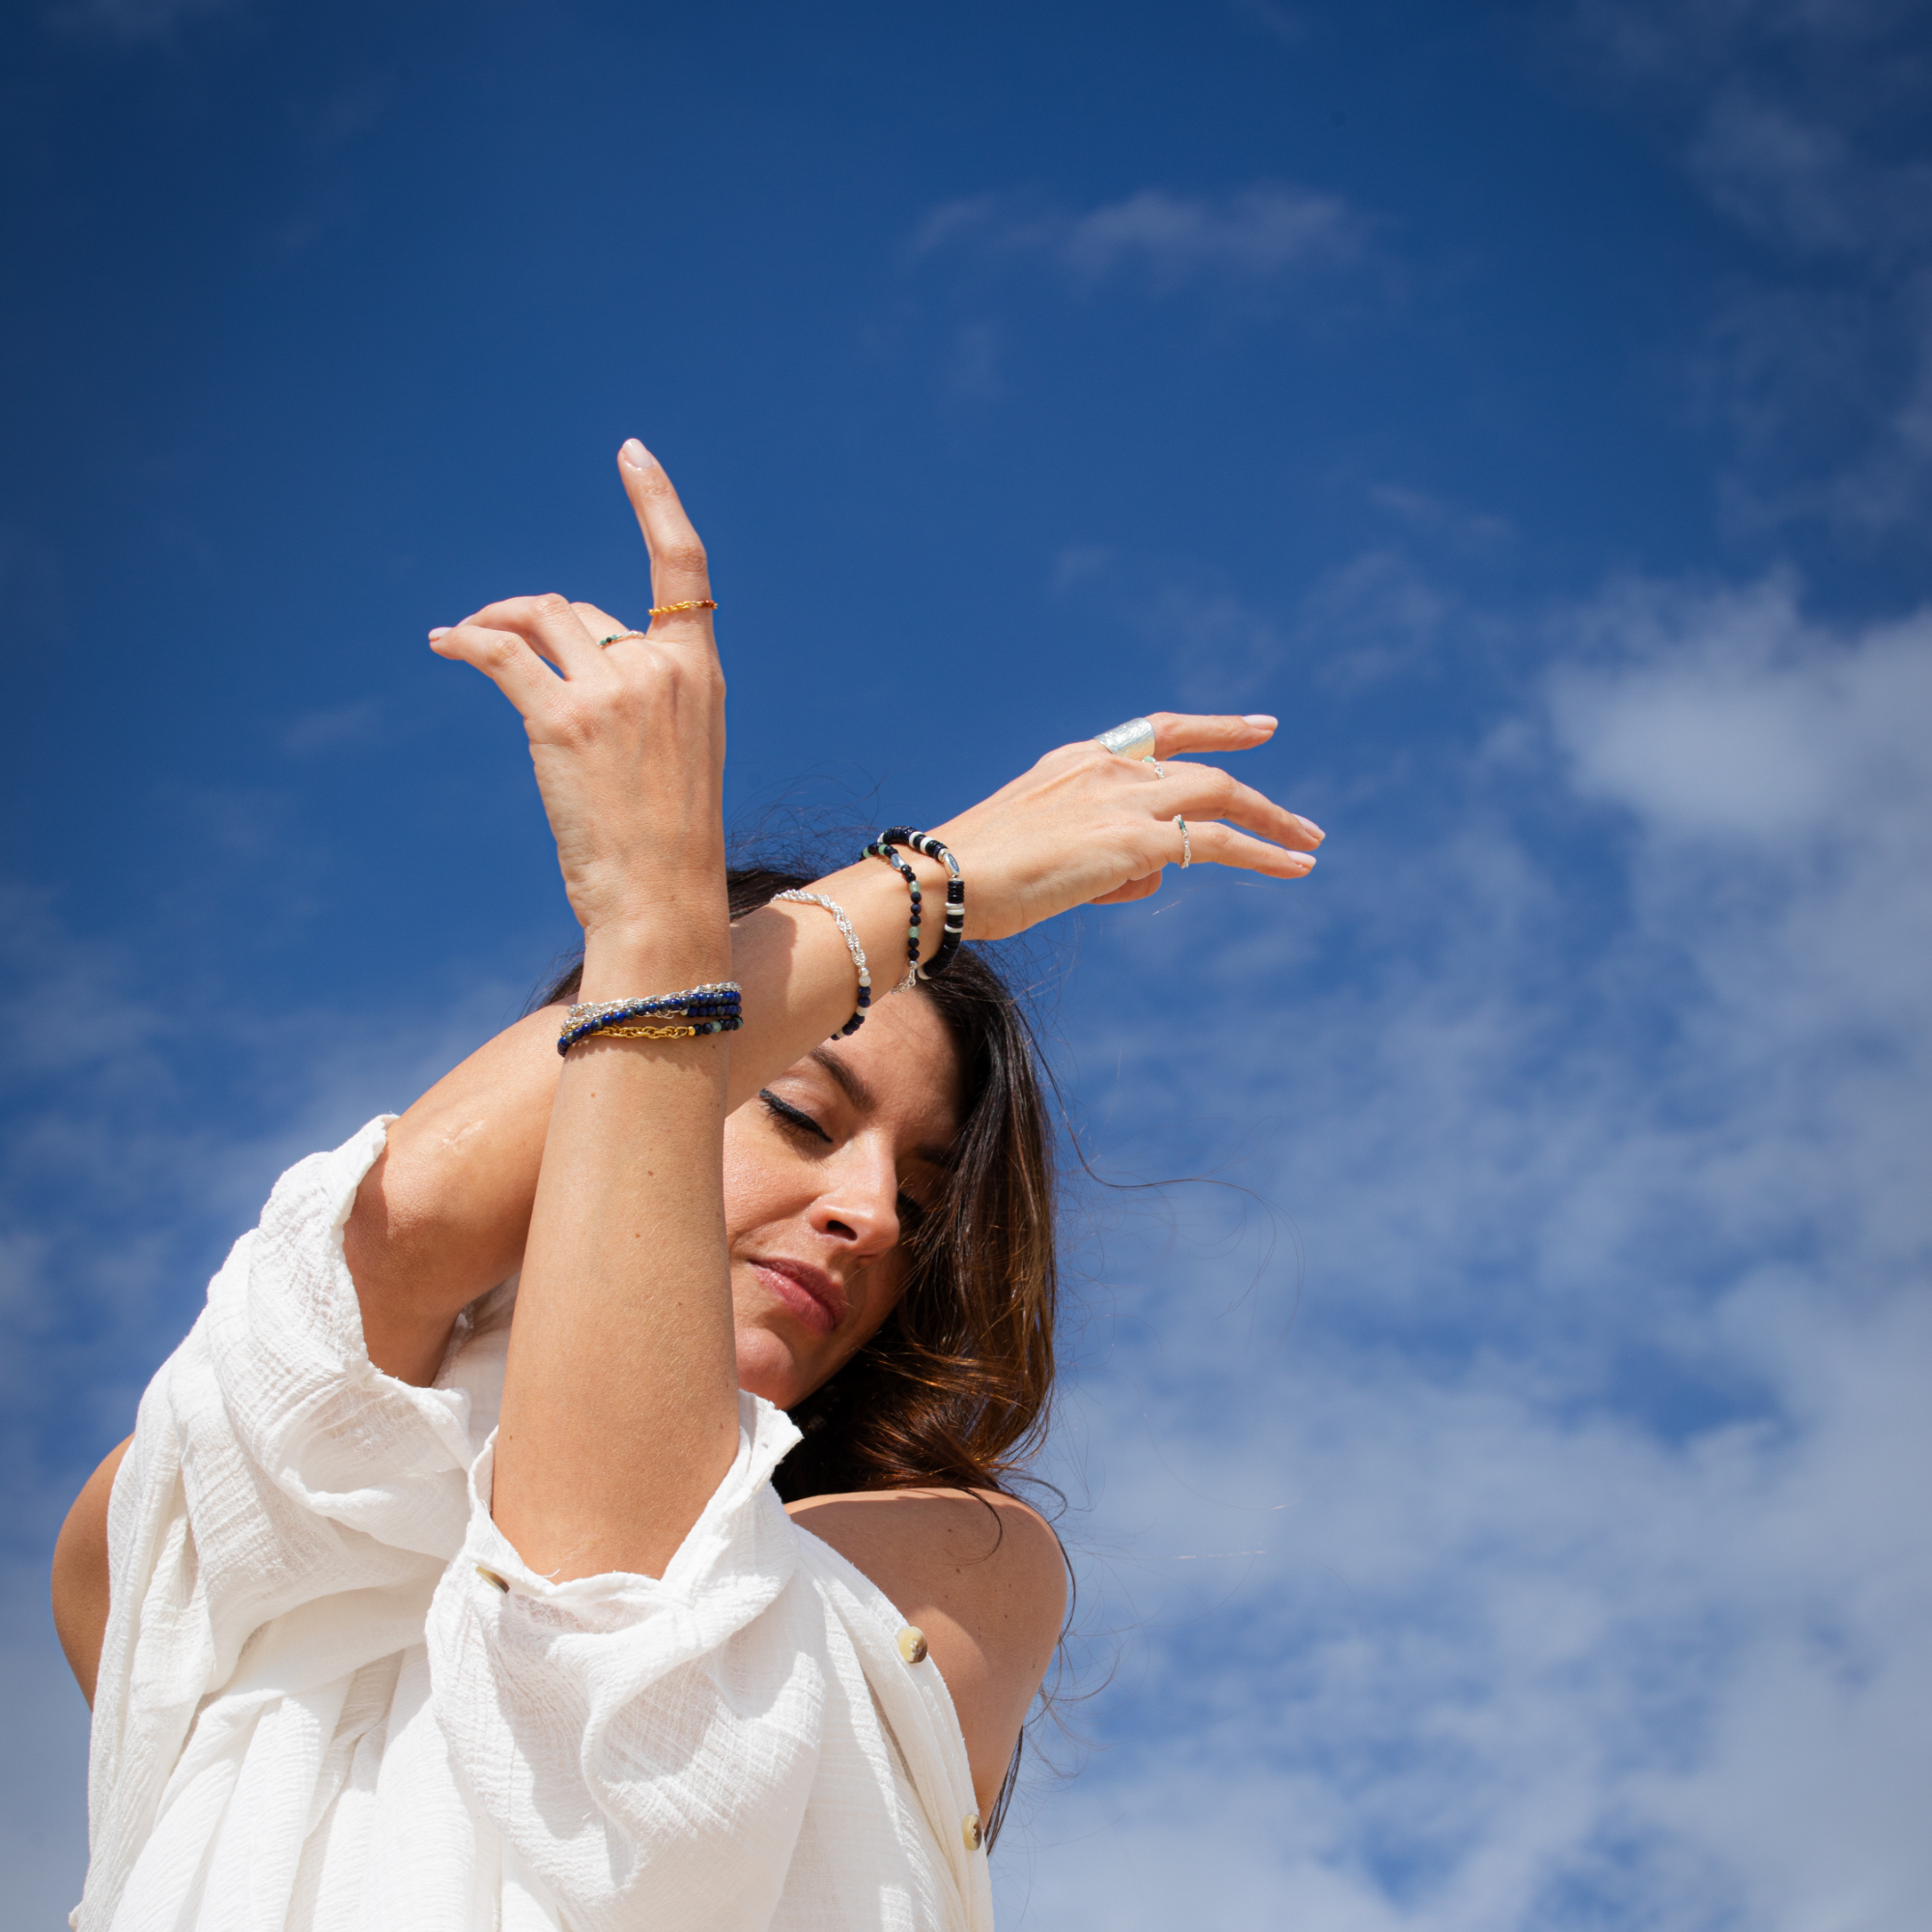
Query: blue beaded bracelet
x=956, y=894
x=715, y=1008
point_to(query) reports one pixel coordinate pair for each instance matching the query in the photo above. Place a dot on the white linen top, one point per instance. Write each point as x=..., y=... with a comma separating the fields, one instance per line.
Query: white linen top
x=317, y=1712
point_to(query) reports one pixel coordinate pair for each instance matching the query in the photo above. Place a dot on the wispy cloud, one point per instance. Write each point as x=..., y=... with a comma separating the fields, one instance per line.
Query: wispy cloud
x=1803, y=124
x=1281, y=24
x=1250, y=237
x=1360, y=622
x=132, y=22
x=1802, y=184
x=343, y=726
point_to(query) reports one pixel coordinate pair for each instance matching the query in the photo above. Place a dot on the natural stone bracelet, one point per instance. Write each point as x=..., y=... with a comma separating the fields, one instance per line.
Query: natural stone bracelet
x=956, y=894
x=715, y=1008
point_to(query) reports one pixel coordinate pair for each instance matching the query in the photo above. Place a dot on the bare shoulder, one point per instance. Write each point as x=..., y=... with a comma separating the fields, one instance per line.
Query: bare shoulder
x=982, y=1552
x=984, y=1579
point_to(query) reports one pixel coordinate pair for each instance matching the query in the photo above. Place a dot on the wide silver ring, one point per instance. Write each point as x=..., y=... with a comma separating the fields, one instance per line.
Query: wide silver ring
x=1132, y=740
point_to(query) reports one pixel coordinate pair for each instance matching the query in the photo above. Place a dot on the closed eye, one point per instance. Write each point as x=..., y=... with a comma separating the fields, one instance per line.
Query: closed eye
x=792, y=1117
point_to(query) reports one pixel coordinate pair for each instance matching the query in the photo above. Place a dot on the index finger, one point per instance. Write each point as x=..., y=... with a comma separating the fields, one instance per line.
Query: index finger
x=679, y=572
x=1177, y=732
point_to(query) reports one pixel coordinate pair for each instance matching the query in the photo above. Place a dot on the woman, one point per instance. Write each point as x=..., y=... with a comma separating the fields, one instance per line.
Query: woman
x=444, y=1582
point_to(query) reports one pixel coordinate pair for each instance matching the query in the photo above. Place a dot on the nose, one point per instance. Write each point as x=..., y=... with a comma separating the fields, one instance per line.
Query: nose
x=859, y=1204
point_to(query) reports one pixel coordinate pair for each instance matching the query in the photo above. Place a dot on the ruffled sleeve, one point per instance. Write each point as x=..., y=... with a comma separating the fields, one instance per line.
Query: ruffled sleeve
x=648, y=1746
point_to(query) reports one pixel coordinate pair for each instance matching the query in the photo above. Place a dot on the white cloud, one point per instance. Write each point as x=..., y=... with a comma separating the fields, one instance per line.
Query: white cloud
x=1250, y=237
x=1735, y=722
x=1603, y=1595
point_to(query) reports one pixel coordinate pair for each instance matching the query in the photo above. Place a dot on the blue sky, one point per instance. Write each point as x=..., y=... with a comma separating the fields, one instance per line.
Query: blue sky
x=1503, y=1507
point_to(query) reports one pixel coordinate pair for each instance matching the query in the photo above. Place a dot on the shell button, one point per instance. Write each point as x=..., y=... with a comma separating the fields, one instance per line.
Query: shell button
x=969, y=1832
x=490, y=1576
x=911, y=1644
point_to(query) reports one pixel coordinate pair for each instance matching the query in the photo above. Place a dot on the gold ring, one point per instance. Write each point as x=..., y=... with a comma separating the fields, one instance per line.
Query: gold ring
x=689, y=603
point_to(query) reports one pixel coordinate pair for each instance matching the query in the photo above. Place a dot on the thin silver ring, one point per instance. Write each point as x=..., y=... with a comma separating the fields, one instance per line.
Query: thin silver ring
x=1186, y=844
x=1135, y=739
x=618, y=638
x=1159, y=772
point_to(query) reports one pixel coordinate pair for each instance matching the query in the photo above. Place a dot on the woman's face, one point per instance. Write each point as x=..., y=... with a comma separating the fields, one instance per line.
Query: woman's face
x=824, y=1172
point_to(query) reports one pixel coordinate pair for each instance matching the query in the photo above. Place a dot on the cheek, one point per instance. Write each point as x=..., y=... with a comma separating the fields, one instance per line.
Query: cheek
x=756, y=1185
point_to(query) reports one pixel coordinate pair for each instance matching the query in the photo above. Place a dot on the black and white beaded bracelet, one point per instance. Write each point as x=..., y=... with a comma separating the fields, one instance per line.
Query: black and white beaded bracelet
x=956, y=892
x=880, y=849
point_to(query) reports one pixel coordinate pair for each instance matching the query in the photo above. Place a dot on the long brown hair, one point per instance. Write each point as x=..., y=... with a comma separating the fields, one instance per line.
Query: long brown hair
x=954, y=1389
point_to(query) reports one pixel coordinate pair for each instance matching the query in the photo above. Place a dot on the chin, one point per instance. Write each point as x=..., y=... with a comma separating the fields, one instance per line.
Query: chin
x=767, y=1367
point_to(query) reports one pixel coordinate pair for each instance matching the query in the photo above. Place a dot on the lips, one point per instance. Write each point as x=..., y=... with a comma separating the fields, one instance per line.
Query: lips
x=809, y=1292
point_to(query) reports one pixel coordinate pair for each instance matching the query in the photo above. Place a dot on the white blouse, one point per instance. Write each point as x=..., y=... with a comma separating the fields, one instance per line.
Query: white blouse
x=333, y=1697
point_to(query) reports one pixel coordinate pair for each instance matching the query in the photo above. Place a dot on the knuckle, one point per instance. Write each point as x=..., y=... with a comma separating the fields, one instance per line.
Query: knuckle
x=684, y=553
x=551, y=604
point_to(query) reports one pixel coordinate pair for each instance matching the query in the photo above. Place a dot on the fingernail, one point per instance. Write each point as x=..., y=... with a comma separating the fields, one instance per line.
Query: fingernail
x=635, y=454
x=1307, y=861
x=1260, y=720
x=440, y=631
x=1308, y=826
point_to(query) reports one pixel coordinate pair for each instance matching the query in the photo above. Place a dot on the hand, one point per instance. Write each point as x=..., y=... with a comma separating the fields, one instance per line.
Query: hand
x=1085, y=827
x=628, y=739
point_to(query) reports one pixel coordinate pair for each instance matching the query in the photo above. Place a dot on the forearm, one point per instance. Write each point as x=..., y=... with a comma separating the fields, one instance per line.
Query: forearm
x=444, y=1214
x=620, y=1394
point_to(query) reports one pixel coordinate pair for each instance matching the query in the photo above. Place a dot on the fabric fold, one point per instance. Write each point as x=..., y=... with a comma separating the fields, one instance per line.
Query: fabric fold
x=315, y=1711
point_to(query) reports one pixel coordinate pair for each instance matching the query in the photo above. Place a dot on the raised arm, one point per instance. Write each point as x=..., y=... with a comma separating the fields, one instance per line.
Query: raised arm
x=443, y=1214
x=620, y=1404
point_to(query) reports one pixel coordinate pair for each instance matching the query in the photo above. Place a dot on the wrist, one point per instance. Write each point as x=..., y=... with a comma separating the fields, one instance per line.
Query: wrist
x=630, y=959
x=877, y=899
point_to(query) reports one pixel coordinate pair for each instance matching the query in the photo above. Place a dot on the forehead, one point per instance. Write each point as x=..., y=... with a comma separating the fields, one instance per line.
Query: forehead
x=901, y=1070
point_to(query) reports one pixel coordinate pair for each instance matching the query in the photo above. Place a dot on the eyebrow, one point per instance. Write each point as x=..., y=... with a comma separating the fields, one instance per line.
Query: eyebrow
x=849, y=1083
x=855, y=1089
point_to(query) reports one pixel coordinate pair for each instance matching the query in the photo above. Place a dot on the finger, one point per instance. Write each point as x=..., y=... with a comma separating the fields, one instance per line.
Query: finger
x=600, y=624
x=680, y=573
x=1177, y=732
x=1222, y=845
x=502, y=657
x=551, y=627
x=1205, y=791
x=1134, y=889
